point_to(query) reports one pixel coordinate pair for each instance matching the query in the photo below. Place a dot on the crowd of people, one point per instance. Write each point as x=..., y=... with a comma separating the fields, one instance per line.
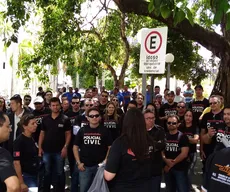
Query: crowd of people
x=141, y=139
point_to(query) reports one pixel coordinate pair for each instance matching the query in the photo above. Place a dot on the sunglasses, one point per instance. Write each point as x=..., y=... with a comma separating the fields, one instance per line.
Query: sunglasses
x=212, y=103
x=94, y=116
x=171, y=123
x=75, y=103
x=87, y=105
x=181, y=107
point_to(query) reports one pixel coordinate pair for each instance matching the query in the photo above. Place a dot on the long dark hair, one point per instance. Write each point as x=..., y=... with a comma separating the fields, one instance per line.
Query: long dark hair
x=193, y=120
x=4, y=104
x=134, y=129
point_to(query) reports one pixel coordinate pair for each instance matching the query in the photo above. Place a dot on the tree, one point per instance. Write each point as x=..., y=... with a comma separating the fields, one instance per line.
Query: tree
x=184, y=20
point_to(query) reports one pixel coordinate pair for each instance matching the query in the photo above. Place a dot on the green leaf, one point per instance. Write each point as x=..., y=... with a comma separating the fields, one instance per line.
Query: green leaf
x=228, y=22
x=189, y=16
x=218, y=16
x=151, y=6
x=165, y=11
x=179, y=16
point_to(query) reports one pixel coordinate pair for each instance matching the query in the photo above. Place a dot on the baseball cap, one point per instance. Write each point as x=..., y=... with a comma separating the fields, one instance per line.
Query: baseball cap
x=38, y=99
x=198, y=87
x=158, y=96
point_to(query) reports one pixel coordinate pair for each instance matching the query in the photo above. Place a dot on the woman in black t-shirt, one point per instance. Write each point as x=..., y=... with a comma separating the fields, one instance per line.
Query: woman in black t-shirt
x=189, y=128
x=25, y=153
x=111, y=119
x=115, y=100
x=129, y=163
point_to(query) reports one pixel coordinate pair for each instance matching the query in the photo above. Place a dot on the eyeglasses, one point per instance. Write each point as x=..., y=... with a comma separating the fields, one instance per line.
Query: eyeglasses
x=115, y=99
x=171, y=123
x=87, y=105
x=94, y=116
x=181, y=107
x=75, y=103
x=212, y=103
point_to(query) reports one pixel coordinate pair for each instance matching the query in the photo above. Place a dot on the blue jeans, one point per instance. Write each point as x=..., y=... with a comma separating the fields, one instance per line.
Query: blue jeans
x=75, y=179
x=54, y=171
x=30, y=180
x=86, y=177
x=177, y=181
x=156, y=181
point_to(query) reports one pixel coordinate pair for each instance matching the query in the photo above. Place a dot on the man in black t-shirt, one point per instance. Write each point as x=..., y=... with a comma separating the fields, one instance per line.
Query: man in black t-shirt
x=217, y=174
x=8, y=177
x=175, y=157
x=181, y=109
x=103, y=100
x=39, y=113
x=169, y=108
x=210, y=123
x=94, y=142
x=54, y=139
x=158, y=135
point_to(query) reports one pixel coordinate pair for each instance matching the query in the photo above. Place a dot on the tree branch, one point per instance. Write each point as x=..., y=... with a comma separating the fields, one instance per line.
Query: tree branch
x=211, y=40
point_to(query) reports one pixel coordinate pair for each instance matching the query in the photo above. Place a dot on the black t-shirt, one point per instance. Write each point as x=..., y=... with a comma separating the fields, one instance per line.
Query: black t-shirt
x=6, y=168
x=81, y=121
x=39, y=115
x=174, y=143
x=222, y=132
x=131, y=175
x=26, y=151
x=93, y=144
x=158, y=135
x=102, y=109
x=217, y=175
x=112, y=126
x=55, y=129
x=190, y=132
x=212, y=120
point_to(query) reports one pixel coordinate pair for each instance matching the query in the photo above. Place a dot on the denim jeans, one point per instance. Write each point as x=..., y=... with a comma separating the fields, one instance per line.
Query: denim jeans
x=156, y=181
x=75, y=179
x=30, y=180
x=193, y=159
x=54, y=171
x=177, y=181
x=86, y=177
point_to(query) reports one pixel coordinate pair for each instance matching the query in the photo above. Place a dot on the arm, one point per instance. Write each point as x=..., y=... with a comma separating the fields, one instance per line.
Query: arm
x=18, y=170
x=12, y=184
x=194, y=140
x=77, y=158
x=107, y=153
x=67, y=141
x=183, y=155
x=40, y=142
x=206, y=137
x=109, y=176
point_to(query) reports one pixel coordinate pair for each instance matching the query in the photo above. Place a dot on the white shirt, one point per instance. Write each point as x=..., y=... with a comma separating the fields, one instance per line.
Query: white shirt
x=16, y=120
x=178, y=98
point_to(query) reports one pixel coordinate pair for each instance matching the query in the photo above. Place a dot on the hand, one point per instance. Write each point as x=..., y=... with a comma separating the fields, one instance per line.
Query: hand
x=202, y=155
x=170, y=162
x=211, y=132
x=24, y=187
x=166, y=169
x=81, y=167
x=40, y=152
x=64, y=152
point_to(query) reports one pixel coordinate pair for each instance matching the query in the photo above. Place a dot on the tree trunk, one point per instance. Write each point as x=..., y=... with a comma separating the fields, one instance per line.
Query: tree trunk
x=222, y=83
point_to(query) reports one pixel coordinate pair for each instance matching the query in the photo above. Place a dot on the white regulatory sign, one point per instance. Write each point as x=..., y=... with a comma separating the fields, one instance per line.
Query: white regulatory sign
x=153, y=50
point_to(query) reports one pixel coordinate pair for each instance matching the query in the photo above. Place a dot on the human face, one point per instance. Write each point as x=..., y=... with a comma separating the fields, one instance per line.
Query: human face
x=14, y=105
x=104, y=98
x=170, y=98
x=178, y=91
x=75, y=104
x=181, y=108
x=38, y=106
x=172, y=124
x=199, y=92
x=115, y=101
x=157, y=103
x=94, y=117
x=55, y=107
x=2, y=103
x=188, y=117
x=48, y=96
x=214, y=104
x=88, y=104
x=5, y=130
x=65, y=105
x=125, y=88
x=27, y=101
x=130, y=106
x=88, y=94
x=157, y=90
x=149, y=120
x=139, y=100
x=227, y=116
x=31, y=127
x=110, y=109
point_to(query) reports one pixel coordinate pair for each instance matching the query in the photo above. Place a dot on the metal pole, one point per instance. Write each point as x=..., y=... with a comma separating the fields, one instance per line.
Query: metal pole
x=152, y=96
x=168, y=77
x=144, y=77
